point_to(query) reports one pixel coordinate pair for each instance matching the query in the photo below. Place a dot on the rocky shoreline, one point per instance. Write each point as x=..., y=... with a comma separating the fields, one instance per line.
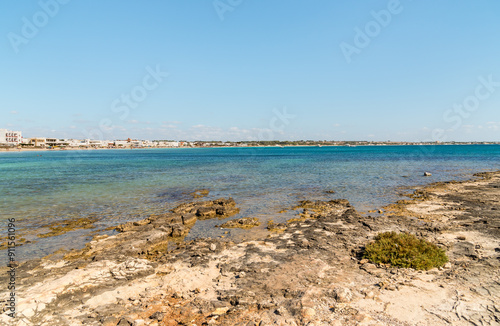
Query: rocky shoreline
x=309, y=271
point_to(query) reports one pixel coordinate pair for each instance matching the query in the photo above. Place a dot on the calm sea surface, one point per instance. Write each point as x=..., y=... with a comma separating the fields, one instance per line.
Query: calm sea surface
x=37, y=188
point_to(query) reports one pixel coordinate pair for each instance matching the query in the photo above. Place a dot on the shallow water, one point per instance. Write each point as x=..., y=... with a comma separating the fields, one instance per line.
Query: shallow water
x=38, y=188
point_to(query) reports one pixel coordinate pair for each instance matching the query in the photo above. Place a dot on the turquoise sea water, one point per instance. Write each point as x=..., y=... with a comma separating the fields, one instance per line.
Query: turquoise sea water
x=38, y=188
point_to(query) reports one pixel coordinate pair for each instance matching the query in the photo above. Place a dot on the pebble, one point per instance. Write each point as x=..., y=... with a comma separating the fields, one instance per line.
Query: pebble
x=220, y=311
x=363, y=319
x=29, y=313
x=343, y=294
x=391, y=287
x=281, y=311
x=125, y=322
x=157, y=316
x=369, y=295
x=308, y=312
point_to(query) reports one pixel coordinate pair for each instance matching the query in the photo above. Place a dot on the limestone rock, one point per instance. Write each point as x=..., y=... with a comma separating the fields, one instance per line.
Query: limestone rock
x=206, y=212
x=342, y=294
x=157, y=316
x=125, y=322
x=109, y=321
x=179, y=230
x=220, y=311
x=308, y=313
x=244, y=223
x=188, y=218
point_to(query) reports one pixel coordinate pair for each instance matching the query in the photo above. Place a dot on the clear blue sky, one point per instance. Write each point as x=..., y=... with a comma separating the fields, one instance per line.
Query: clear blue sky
x=232, y=64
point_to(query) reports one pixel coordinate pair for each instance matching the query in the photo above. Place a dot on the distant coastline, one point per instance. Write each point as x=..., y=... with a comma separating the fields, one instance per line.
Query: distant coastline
x=58, y=149
x=247, y=145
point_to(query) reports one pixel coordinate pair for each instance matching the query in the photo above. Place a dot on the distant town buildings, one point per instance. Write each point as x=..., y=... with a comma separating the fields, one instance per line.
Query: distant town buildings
x=10, y=138
x=39, y=142
x=14, y=139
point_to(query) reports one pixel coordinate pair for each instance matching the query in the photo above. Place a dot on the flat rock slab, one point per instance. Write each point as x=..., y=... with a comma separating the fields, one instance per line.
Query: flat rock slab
x=243, y=223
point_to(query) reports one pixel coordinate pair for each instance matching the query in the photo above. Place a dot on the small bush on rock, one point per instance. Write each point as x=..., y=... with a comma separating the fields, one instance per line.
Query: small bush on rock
x=405, y=250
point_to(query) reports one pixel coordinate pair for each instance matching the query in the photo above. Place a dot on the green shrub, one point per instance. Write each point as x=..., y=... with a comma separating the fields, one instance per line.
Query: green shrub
x=404, y=250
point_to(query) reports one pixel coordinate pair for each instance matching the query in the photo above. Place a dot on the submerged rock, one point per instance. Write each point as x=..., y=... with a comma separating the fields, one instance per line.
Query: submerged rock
x=200, y=193
x=276, y=227
x=221, y=208
x=243, y=223
x=62, y=227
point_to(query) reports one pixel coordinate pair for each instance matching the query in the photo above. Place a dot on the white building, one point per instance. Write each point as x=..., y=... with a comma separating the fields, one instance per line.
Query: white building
x=148, y=143
x=74, y=143
x=136, y=143
x=57, y=142
x=168, y=144
x=37, y=142
x=97, y=143
x=122, y=144
x=10, y=138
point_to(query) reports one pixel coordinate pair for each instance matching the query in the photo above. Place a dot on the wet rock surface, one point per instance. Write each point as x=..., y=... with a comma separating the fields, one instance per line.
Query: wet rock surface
x=309, y=273
x=242, y=223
